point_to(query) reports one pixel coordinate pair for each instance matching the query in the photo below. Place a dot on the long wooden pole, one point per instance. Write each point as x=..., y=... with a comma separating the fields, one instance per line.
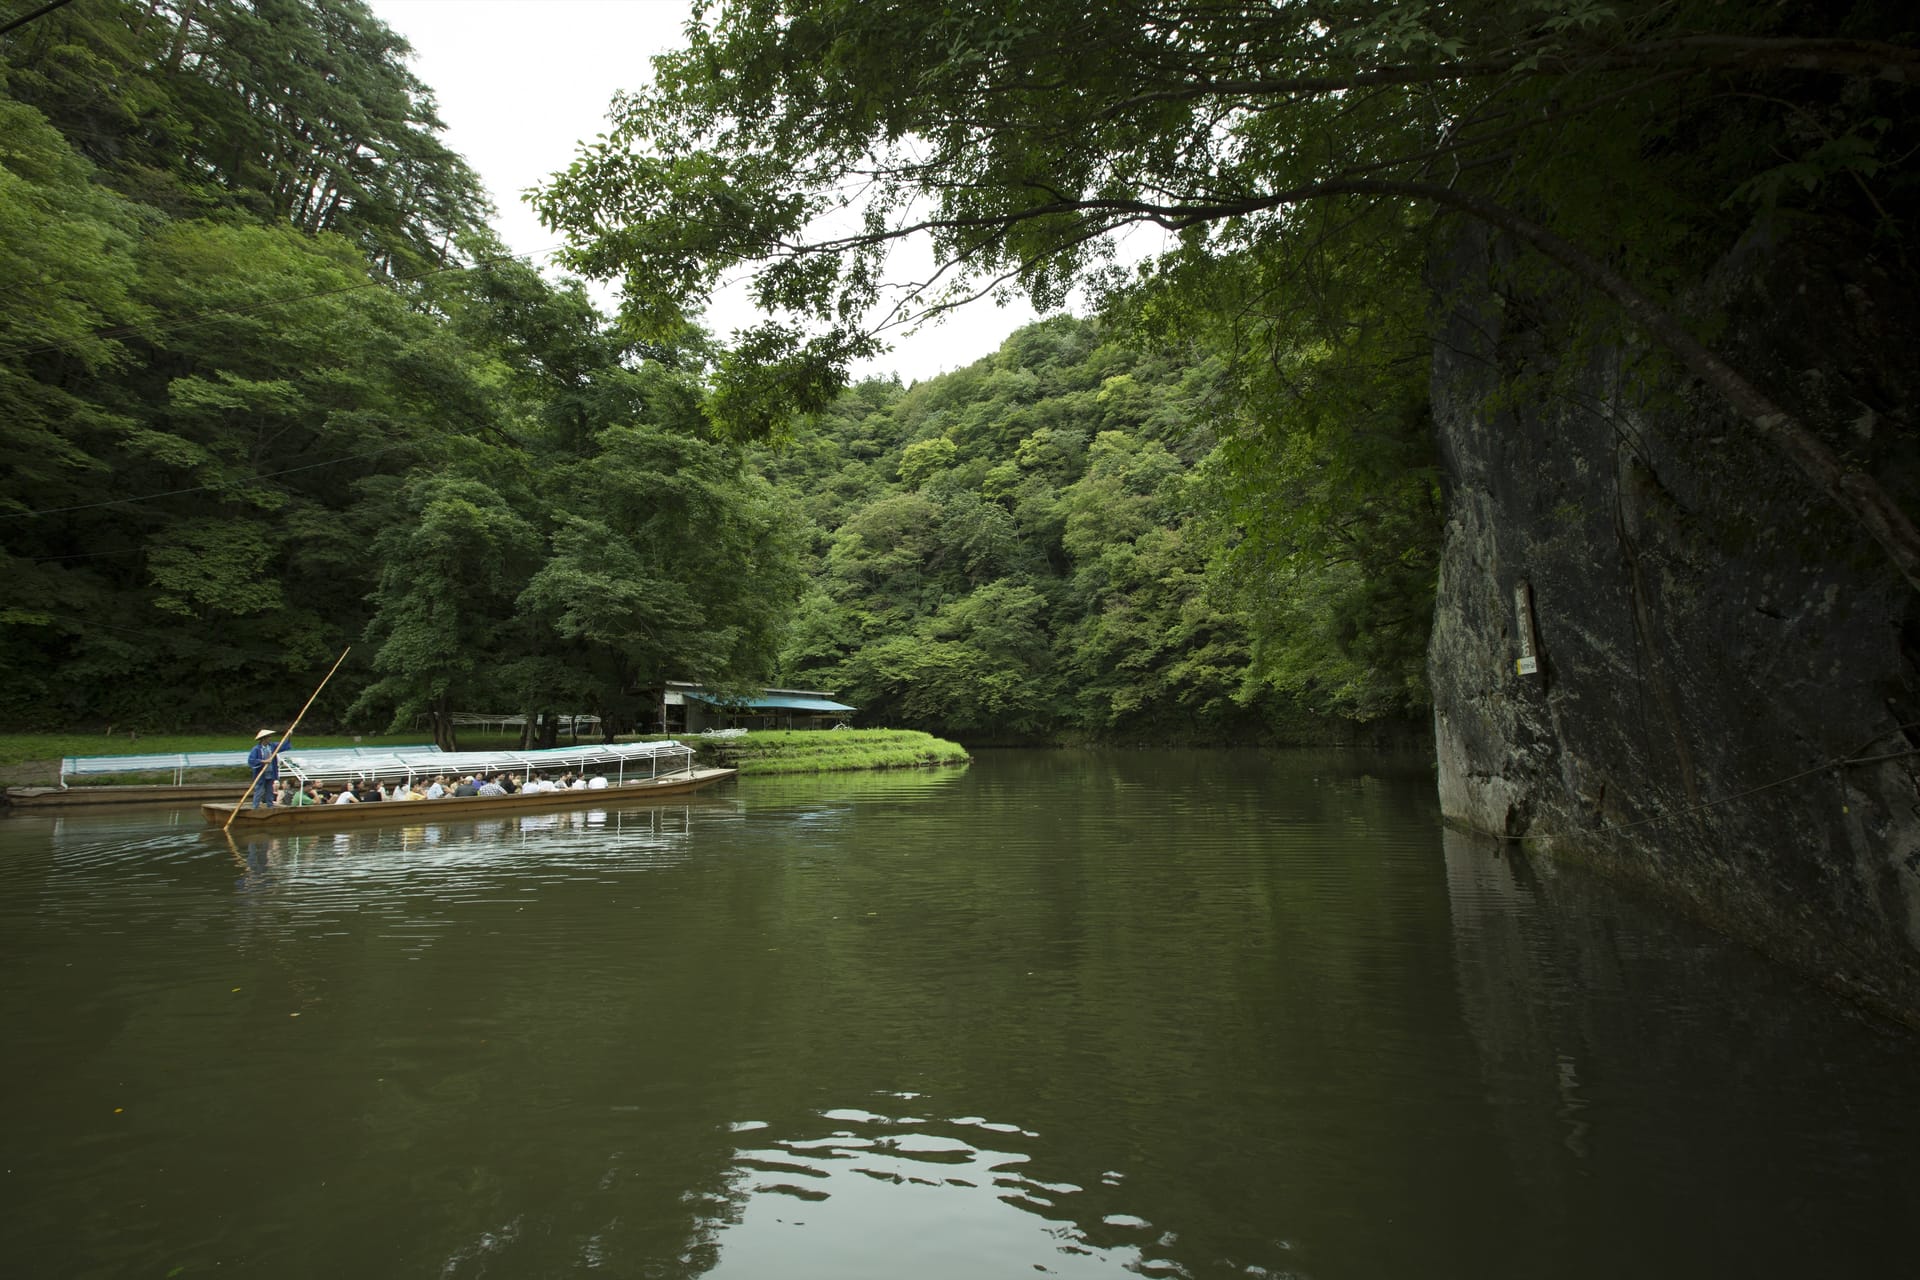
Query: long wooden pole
x=284, y=739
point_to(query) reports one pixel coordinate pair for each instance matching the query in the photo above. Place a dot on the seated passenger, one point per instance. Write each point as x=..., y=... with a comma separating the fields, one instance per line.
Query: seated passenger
x=596, y=782
x=368, y=791
x=491, y=787
x=438, y=788
x=301, y=795
x=346, y=796
x=468, y=786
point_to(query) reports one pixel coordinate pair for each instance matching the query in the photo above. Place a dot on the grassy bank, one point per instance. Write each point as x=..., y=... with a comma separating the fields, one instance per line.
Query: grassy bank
x=772, y=751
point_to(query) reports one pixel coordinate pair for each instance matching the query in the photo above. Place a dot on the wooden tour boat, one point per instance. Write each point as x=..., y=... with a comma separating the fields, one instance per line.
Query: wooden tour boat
x=626, y=772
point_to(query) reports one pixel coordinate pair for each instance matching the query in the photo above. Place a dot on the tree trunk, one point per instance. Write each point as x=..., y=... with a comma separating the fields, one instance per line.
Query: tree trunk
x=445, y=736
x=180, y=36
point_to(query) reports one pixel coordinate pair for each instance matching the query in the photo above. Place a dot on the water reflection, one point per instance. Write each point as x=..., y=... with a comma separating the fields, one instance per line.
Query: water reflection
x=922, y=1192
x=562, y=841
x=1637, y=1067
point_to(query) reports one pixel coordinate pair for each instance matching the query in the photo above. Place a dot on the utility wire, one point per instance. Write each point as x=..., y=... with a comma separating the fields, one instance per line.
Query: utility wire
x=201, y=317
x=25, y=18
x=80, y=555
x=169, y=637
x=204, y=488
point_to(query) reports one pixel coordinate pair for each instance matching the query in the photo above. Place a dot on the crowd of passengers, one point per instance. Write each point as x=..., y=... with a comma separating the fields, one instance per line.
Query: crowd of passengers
x=366, y=790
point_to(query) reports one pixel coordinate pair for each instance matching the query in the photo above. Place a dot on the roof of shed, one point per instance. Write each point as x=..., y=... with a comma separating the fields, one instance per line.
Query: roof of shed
x=771, y=702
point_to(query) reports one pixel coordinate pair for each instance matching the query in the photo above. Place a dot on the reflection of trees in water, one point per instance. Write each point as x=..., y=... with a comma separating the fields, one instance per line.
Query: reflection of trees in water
x=930, y=782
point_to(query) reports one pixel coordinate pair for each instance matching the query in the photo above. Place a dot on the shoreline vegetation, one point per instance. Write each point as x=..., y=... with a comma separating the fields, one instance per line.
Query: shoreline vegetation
x=33, y=759
x=775, y=751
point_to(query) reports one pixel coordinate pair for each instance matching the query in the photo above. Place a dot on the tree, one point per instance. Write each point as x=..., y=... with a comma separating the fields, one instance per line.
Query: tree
x=667, y=563
x=449, y=576
x=247, y=417
x=808, y=137
x=1050, y=576
x=300, y=112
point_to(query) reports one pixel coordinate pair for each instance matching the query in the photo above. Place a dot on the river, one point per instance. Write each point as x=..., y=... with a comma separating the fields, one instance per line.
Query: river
x=1084, y=1014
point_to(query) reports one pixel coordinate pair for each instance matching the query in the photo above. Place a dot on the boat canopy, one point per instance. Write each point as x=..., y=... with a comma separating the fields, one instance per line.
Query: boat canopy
x=177, y=763
x=641, y=759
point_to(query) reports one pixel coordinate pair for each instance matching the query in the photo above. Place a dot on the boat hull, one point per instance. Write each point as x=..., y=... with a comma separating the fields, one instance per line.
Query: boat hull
x=65, y=797
x=289, y=817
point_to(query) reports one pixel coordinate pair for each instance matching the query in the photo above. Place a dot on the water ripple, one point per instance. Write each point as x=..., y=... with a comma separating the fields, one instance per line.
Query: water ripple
x=864, y=1185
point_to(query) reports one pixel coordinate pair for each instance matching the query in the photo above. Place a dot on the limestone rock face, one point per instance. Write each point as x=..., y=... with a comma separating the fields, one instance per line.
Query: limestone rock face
x=1728, y=685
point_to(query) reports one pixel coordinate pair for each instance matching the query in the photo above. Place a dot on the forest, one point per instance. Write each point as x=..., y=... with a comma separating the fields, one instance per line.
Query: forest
x=270, y=387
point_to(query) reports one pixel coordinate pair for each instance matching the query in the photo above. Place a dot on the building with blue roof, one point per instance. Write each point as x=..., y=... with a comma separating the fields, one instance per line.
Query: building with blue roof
x=686, y=707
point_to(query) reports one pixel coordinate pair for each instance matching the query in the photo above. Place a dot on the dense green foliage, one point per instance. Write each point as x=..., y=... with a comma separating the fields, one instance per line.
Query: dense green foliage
x=1046, y=545
x=1287, y=154
x=268, y=388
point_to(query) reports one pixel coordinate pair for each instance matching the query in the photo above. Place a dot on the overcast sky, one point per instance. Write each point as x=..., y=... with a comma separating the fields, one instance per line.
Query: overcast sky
x=521, y=82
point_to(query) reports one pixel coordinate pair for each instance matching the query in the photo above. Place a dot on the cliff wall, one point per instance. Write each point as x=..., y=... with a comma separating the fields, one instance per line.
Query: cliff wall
x=1728, y=688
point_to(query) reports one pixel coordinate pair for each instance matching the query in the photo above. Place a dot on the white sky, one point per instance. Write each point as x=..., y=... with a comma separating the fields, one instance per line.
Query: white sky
x=521, y=82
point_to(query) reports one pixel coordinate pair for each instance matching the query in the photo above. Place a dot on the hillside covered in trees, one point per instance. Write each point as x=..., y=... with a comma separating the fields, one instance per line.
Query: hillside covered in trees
x=269, y=387
x=1054, y=543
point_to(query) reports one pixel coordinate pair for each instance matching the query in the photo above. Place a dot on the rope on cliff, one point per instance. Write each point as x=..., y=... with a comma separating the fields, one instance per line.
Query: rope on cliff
x=1847, y=760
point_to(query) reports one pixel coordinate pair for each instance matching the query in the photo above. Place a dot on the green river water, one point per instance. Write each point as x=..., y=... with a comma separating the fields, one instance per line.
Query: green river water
x=1085, y=1014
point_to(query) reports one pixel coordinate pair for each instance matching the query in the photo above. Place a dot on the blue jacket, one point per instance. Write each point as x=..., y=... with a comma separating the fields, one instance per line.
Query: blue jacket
x=258, y=757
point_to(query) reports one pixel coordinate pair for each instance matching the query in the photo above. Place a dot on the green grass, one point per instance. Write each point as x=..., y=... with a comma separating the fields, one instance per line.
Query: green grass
x=772, y=751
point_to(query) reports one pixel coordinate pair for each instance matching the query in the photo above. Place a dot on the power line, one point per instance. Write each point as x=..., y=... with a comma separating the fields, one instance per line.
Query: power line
x=171, y=637
x=25, y=18
x=202, y=317
x=81, y=555
x=204, y=488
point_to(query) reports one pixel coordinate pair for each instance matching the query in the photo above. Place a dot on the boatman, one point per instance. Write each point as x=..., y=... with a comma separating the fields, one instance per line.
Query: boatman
x=264, y=762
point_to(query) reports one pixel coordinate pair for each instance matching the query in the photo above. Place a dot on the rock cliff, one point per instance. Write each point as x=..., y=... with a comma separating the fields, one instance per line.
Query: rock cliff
x=1727, y=698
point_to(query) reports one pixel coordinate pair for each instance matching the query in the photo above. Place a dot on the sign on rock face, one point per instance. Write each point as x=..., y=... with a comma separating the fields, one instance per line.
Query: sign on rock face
x=1528, y=663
